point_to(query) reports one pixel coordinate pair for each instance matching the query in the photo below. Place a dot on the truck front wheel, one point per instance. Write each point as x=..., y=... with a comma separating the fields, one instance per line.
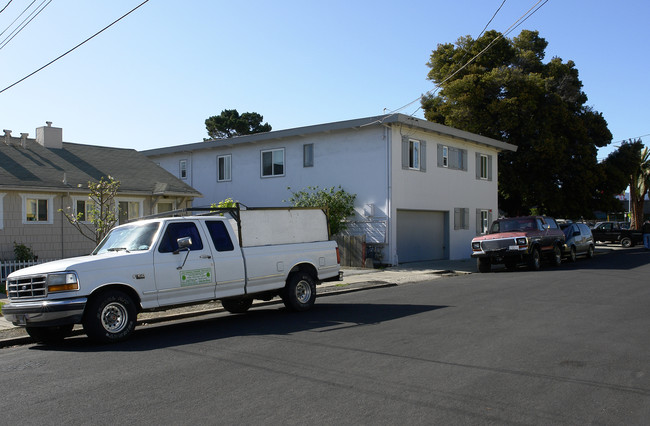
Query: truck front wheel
x=300, y=292
x=535, y=261
x=484, y=264
x=110, y=317
x=626, y=242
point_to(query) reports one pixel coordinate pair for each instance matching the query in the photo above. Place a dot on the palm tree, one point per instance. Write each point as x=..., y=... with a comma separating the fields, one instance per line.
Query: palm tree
x=639, y=185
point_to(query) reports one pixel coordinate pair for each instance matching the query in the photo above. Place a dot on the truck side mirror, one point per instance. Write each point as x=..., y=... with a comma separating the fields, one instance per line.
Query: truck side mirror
x=184, y=243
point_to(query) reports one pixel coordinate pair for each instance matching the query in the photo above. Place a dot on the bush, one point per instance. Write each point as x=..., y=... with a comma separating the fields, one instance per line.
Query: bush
x=23, y=253
x=337, y=203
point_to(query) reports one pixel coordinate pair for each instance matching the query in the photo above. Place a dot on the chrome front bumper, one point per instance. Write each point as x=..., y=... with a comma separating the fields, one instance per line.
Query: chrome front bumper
x=45, y=312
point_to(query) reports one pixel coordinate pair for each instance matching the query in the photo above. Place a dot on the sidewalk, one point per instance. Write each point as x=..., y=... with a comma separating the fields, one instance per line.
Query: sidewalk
x=353, y=280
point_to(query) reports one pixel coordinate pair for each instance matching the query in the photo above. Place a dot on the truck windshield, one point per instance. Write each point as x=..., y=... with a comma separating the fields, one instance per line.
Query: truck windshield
x=513, y=225
x=129, y=238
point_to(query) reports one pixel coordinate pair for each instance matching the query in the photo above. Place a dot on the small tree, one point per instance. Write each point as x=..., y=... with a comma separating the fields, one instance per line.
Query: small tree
x=102, y=215
x=229, y=124
x=338, y=204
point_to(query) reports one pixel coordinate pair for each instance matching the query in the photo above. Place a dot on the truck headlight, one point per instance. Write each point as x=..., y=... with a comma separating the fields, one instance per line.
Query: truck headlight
x=476, y=246
x=521, y=241
x=65, y=281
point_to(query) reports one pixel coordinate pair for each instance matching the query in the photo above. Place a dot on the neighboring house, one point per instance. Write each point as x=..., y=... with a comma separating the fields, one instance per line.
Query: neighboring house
x=40, y=176
x=423, y=190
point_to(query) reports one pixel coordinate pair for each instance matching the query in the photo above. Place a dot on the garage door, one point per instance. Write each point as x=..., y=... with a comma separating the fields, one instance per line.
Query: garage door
x=420, y=235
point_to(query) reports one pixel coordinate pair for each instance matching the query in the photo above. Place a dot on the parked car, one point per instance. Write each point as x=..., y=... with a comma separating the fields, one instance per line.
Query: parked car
x=614, y=232
x=516, y=240
x=579, y=241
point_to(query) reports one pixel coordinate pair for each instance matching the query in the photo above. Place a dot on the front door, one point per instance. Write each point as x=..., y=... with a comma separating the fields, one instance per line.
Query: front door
x=183, y=274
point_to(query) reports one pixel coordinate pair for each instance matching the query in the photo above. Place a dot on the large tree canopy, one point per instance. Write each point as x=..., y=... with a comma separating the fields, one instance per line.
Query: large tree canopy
x=229, y=124
x=508, y=93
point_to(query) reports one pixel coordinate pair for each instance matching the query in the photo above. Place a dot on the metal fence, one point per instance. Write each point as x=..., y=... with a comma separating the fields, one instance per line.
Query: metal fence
x=7, y=267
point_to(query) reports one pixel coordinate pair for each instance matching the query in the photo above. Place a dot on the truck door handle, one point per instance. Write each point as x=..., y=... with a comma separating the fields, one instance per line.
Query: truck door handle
x=205, y=256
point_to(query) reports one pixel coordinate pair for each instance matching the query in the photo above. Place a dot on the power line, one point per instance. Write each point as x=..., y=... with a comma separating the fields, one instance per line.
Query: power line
x=18, y=17
x=518, y=22
x=23, y=24
x=77, y=46
x=3, y=9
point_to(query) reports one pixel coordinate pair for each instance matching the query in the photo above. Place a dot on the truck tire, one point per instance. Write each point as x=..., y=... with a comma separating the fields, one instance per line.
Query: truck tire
x=535, y=261
x=300, y=292
x=237, y=306
x=626, y=242
x=557, y=255
x=484, y=264
x=590, y=252
x=53, y=334
x=110, y=317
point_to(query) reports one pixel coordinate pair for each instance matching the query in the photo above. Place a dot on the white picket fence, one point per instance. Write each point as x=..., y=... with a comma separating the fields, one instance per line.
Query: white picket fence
x=7, y=267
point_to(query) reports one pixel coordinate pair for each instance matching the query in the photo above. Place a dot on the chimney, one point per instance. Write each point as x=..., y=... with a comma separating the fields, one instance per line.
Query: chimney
x=50, y=137
x=23, y=139
x=7, y=136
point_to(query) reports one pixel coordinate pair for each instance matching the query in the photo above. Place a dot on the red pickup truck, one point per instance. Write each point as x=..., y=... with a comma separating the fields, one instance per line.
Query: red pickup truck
x=512, y=241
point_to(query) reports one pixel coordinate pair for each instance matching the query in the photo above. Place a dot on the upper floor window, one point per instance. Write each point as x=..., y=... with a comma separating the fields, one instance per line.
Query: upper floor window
x=273, y=162
x=308, y=155
x=452, y=158
x=37, y=208
x=483, y=166
x=224, y=171
x=413, y=154
x=182, y=169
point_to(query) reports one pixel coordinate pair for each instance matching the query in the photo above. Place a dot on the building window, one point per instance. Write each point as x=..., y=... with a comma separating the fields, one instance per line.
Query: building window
x=224, y=173
x=164, y=207
x=273, y=163
x=414, y=155
x=483, y=166
x=82, y=208
x=128, y=210
x=452, y=158
x=1, y=210
x=37, y=208
x=182, y=169
x=483, y=220
x=308, y=155
x=461, y=218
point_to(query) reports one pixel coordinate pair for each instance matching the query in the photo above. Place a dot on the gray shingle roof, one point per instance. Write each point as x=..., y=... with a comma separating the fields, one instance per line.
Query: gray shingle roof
x=34, y=167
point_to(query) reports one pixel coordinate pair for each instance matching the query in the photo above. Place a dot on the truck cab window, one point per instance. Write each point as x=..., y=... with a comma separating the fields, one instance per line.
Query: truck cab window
x=176, y=230
x=220, y=236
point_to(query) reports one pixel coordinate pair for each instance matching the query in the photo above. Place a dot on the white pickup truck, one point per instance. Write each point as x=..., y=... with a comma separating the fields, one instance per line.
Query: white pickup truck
x=159, y=263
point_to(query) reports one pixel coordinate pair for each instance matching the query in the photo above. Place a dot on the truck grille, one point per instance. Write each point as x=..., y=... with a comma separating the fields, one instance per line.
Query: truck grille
x=493, y=245
x=27, y=288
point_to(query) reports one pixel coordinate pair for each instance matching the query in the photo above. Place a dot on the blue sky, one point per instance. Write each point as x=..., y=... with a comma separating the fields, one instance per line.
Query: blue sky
x=152, y=79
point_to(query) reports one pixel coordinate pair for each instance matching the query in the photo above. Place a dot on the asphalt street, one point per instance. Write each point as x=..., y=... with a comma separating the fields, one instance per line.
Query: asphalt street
x=565, y=345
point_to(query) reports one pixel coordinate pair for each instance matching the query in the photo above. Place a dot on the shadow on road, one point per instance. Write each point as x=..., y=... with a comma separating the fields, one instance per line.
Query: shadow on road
x=322, y=318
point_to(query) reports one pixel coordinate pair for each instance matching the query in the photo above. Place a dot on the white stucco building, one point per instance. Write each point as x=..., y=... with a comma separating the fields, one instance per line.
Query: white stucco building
x=423, y=190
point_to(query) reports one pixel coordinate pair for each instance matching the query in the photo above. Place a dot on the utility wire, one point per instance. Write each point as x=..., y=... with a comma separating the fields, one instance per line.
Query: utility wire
x=518, y=22
x=77, y=46
x=3, y=9
x=18, y=29
x=18, y=17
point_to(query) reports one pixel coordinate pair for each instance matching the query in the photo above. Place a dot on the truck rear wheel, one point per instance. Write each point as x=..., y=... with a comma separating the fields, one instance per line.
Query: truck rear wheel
x=557, y=255
x=53, y=334
x=300, y=292
x=237, y=306
x=110, y=317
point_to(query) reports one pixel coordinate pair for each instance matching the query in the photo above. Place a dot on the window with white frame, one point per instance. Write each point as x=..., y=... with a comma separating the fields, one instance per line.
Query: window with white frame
x=37, y=208
x=483, y=219
x=452, y=158
x=129, y=209
x=84, y=206
x=272, y=162
x=414, y=154
x=182, y=169
x=461, y=218
x=224, y=168
x=483, y=166
x=308, y=155
x=1, y=210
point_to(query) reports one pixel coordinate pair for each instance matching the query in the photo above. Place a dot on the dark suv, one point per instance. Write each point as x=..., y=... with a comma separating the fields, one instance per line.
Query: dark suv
x=516, y=240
